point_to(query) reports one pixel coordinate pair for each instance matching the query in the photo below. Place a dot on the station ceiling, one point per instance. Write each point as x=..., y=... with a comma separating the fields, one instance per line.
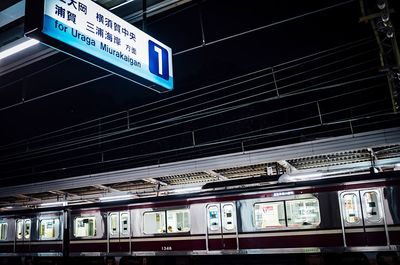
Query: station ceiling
x=248, y=76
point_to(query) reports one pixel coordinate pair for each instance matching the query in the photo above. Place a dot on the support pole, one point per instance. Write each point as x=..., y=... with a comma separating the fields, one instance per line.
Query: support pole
x=203, y=36
x=384, y=52
x=276, y=85
x=144, y=14
x=319, y=113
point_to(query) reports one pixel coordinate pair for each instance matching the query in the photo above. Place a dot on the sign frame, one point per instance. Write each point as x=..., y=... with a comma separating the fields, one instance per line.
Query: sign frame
x=34, y=25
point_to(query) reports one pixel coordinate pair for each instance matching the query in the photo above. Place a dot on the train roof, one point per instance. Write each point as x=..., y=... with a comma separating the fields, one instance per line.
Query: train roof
x=229, y=187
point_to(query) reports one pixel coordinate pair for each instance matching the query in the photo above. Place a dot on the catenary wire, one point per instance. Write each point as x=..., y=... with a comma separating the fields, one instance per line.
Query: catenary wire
x=192, y=114
x=274, y=111
x=208, y=114
x=189, y=148
x=32, y=139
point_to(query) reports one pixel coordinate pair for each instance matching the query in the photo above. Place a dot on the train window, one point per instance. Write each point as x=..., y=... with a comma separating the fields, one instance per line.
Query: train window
x=269, y=215
x=178, y=221
x=20, y=229
x=351, y=209
x=213, y=218
x=24, y=229
x=154, y=222
x=124, y=223
x=49, y=229
x=303, y=212
x=119, y=224
x=114, y=228
x=228, y=217
x=27, y=229
x=3, y=231
x=372, y=211
x=85, y=226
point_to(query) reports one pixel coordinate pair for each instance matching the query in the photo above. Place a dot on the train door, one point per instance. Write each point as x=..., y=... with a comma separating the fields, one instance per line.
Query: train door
x=118, y=239
x=23, y=235
x=363, y=218
x=222, y=233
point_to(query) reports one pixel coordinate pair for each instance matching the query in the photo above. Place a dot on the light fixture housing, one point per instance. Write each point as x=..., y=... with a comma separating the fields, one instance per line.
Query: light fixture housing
x=53, y=204
x=122, y=4
x=381, y=4
x=16, y=48
x=116, y=198
x=187, y=190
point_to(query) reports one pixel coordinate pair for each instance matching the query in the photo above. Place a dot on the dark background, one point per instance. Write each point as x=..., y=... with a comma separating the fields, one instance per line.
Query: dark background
x=324, y=62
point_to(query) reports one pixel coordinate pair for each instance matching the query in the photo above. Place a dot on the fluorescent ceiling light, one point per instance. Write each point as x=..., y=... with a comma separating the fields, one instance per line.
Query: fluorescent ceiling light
x=122, y=4
x=78, y=202
x=299, y=176
x=186, y=190
x=50, y=204
x=116, y=198
x=17, y=48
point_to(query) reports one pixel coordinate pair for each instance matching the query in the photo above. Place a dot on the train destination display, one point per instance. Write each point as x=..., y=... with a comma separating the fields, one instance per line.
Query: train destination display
x=91, y=33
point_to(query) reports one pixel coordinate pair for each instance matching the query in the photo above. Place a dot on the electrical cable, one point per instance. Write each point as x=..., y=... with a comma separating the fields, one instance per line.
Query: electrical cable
x=103, y=142
x=345, y=46
x=200, y=146
x=91, y=126
x=265, y=26
x=312, y=102
x=55, y=92
x=174, y=119
x=245, y=90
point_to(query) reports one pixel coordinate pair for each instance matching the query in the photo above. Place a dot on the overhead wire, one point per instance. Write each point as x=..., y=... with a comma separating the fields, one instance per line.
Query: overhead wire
x=32, y=139
x=326, y=133
x=269, y=25
x=266, y=26
x=299, y=92
x=137, y=134
x=247, y=90
x=204, y=115
x=355, y=43
x=169, y=120
x=55, y=92
x=191, y=148
x=34, y=73
x=117, y=139
x=306, y=103
x=330, y=52
x=254, y=87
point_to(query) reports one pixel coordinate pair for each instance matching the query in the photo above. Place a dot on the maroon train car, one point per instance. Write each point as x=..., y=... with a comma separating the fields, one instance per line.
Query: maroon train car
x=359, y=214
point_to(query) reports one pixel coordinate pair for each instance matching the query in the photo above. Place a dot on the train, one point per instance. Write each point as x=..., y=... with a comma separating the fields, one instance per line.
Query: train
x=348, y=217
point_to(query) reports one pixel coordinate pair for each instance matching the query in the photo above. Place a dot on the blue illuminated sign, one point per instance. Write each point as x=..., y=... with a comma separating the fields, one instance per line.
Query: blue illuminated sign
x=95, y=33
x=158, y=60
